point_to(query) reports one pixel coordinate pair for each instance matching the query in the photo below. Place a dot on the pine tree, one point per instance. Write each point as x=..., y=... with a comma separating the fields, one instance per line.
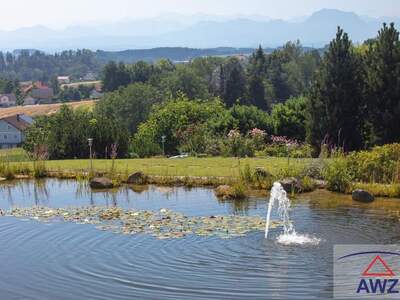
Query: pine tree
x=257, y=92
x=383, y=85
x=336, y=98
x=235, y=87
x=256, y=81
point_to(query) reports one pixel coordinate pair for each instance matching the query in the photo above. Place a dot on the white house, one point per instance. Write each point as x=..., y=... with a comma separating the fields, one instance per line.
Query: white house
x=63, y=79
x=7, y=100
x=12, y=130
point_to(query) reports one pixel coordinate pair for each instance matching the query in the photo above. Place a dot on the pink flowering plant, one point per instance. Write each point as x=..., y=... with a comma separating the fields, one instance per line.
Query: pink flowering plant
x=258, y=136
x=238, y=145
x=282, y=146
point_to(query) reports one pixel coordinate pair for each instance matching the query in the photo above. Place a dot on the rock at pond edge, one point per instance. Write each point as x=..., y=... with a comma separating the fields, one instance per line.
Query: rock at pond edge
x=291, y=185
x=101, y=183
x=137, y=178
x=224, y=191
x=362, y=196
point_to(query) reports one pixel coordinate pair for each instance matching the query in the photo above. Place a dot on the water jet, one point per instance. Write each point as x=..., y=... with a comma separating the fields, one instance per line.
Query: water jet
x=289, y=236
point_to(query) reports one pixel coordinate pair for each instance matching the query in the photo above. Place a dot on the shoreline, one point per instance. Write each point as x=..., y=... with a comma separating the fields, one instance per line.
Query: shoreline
x=190, y=181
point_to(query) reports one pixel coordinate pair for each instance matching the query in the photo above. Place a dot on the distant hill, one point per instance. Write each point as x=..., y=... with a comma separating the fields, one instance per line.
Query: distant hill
x=199, y=31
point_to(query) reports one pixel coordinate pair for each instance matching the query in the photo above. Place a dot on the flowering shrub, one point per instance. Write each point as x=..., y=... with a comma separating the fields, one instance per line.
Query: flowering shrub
x=281, y=146
x=284, y=140
x=258, y=136
x=237, y=145
x=256, y=133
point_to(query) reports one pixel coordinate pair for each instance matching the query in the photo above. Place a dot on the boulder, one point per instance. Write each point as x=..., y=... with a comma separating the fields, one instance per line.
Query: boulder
x=362, y=196
x=137, y=178
x=291, y=185
x=224, y=192
x=101, y=183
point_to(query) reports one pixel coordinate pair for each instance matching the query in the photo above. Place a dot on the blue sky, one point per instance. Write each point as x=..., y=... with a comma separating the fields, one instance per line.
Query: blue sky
x=61, y=13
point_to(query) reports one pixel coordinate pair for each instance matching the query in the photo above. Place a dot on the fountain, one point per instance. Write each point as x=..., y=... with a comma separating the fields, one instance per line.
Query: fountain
x=289, y=236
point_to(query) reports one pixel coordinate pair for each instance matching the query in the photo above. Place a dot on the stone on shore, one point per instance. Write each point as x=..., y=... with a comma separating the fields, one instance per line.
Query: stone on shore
x=137, y=178
x=362, y=196
x=101, y=183
x=291, y=185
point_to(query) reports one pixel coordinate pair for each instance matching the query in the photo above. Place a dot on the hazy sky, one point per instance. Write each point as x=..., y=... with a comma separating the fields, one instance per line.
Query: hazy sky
x=61, y=13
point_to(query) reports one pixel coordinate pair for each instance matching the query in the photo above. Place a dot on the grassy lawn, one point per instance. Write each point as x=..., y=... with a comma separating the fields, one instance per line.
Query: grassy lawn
x=13, y=155
x=214, y=166
x=217, y=166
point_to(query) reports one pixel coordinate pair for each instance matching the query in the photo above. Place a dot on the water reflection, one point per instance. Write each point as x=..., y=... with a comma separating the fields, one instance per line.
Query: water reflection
x=62, y=193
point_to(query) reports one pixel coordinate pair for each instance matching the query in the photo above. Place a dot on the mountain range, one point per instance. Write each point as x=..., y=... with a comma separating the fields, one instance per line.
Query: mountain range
x=196, y=31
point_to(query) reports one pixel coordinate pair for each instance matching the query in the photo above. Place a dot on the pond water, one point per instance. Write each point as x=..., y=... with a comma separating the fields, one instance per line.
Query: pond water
x=62, y=260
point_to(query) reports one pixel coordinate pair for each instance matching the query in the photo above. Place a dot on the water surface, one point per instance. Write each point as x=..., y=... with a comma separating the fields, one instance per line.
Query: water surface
x=71, y=261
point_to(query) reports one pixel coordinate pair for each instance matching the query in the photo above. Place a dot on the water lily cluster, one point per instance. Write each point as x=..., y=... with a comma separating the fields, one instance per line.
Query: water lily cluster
x=163, y=224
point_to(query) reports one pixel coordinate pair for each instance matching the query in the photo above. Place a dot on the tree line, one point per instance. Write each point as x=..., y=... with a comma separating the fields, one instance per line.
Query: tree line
x=260, y=80
x=347, y=97
x=38, y=66
x=354, y=101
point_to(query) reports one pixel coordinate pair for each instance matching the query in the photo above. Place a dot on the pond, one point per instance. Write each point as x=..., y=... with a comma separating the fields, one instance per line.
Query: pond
x=66, y=260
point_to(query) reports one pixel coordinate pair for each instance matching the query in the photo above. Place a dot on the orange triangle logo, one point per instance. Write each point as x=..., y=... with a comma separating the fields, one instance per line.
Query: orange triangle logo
x=376, y=262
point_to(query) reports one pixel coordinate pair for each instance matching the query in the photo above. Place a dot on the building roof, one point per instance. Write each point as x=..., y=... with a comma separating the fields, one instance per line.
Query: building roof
x=16, y=121
x=43, y=93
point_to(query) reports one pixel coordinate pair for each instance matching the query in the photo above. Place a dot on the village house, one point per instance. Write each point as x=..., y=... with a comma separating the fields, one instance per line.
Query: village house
x=42, y=95
x=12, y=130
x=29, y=100
x=7, y=100
x=63, y=79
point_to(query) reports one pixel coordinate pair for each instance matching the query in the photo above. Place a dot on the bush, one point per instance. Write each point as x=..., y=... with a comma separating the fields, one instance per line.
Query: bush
x=175, y=120
x=276, y=150
x=307, y=184
x=238, y=191
x=301, y=151
x=338, y=175
x=143, y=145
x=66, y=133
x=315, y=169
x=289, y=118
x=295, y=150
x=238, y=146
x=193, y=139
x=214, y=146
x=381, y=164
x=380, y=190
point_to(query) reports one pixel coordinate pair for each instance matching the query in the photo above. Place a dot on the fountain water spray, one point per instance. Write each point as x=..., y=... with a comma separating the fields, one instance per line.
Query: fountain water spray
x=289, y=236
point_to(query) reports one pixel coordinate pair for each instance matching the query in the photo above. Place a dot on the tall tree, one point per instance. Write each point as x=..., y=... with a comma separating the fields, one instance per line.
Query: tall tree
x=336, y=98
x=256, y=81
x=235, y=82
x=115, y=76
x=383, y=85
